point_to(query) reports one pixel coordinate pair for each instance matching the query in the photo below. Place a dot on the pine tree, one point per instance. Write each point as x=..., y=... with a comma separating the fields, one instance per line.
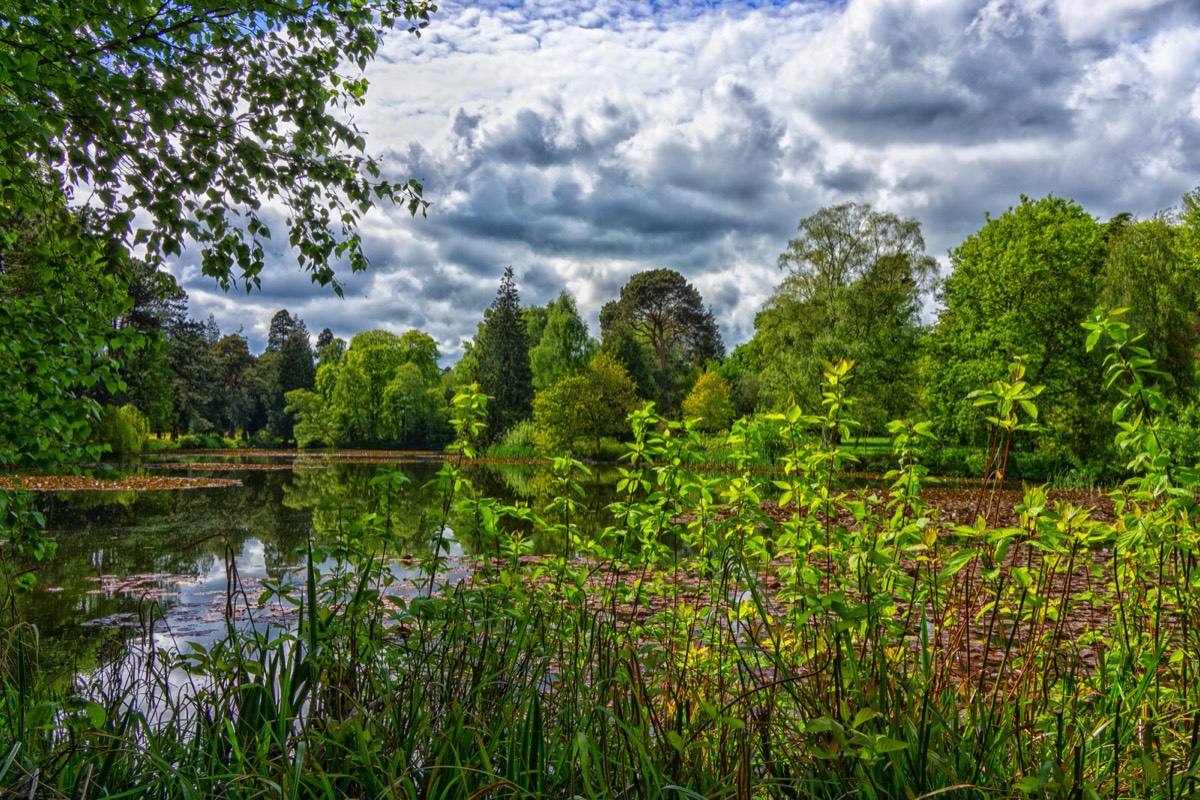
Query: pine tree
x=502, y=361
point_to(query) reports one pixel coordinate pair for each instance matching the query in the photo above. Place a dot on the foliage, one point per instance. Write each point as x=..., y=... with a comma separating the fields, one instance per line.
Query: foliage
x=123, y=430
x=1148, y=270
x=501, y=361
x=382, y=389
x=726, y=635
x=1021, y=286
x=242, y=400
x=57, y=344
x=852, y=291
x=195, y=378
x=288, y=364
x=667, y=315
x=584, y=407
x=197, y=115
x=562, y=345
x=708, y=404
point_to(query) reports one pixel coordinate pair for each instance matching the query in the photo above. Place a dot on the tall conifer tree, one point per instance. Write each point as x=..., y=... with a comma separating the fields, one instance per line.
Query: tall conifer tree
x=502, y=361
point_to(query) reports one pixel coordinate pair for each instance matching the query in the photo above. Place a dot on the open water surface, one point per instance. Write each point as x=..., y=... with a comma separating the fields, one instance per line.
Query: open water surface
x=155, y=565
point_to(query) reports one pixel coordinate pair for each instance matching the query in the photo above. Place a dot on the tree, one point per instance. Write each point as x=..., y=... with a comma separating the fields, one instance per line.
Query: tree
x=502, y=361
x=156, y=304
x=198, y=115
x=241, y=393
x=667, y=315
x=852, y=291
x=1021, y=286
x=195, y=378
x=709, y=402
x=563, y=346
x=58, y=346
x=585, y=406
x=292, y=369
x=413, y=411
x=1148, y=269
x=363, y=375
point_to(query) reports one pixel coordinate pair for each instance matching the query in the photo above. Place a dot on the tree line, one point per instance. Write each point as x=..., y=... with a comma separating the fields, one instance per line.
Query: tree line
x=854, y=282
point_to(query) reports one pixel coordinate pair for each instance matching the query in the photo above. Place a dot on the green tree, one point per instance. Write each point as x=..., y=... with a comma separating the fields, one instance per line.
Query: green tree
x=240, y=391
x=852, y=291
x=563, y=346
x=501, y=355
x=292, y=369
x=709, y=402
x=198, y=115
x=415, y=409
x=1149, y=270
x=57, y=340
x=622, y=345
x=1021, y=286
x=362, y=377
x=585, y=407
x=195, y=377
x=666, y=314
x=156, y=304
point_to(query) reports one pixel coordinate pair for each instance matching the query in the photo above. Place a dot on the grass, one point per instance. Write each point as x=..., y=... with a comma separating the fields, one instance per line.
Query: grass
x=844, y=646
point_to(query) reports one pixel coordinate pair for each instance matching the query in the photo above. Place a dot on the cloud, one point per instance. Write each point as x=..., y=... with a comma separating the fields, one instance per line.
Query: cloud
x=583, y=142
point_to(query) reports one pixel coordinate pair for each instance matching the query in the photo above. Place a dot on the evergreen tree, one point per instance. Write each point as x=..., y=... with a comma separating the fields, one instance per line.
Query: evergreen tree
x=293, y=369
x=502, y=361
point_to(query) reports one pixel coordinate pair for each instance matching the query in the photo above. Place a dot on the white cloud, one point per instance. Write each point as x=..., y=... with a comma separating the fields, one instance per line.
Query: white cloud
x=583, y=144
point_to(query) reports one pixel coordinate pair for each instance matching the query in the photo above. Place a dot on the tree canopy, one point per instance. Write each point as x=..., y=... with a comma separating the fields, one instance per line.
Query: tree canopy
x=667, y=315
x=1022, y=285
x=198, y=115
x=852, y=290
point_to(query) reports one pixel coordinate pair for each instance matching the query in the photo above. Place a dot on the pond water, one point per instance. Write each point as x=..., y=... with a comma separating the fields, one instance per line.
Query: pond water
x=155, y=564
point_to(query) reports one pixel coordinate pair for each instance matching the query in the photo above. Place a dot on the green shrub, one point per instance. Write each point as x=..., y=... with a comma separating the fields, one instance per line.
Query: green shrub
x=517, y=443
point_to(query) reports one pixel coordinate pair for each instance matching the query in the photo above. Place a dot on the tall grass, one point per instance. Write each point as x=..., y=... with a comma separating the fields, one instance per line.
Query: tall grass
x=729, y=636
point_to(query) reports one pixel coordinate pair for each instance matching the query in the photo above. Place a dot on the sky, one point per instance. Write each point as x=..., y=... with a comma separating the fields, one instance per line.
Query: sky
x=583, y=142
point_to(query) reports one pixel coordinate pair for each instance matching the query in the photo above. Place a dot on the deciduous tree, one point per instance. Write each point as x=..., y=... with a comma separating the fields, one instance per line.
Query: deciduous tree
x=667, y=315
x=585, y=407
x=852, y=291
x=1021, y=286
x=198, y=115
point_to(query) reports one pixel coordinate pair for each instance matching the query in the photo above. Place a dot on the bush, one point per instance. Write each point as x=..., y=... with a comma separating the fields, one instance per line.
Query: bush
x=201, y=441
x=517, y=443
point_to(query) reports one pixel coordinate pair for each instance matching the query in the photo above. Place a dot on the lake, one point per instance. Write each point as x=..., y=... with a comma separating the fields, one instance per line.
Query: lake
x=155, y=564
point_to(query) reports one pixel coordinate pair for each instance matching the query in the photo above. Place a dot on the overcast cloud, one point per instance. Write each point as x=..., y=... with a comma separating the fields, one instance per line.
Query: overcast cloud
x=583, y=142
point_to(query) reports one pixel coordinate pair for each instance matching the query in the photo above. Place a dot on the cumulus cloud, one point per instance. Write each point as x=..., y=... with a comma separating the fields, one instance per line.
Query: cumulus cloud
x=581, y=143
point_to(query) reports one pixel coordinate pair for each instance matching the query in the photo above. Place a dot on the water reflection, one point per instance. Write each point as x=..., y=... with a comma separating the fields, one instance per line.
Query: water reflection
x=156, y=564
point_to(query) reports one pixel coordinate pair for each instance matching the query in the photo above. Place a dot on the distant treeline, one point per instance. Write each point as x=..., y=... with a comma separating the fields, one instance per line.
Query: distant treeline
x=853, y=284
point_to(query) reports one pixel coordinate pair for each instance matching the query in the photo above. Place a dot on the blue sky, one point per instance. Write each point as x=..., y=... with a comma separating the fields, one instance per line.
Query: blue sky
x=582, y=143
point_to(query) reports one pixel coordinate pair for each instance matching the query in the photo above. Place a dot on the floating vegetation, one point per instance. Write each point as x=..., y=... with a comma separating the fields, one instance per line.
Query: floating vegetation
x=133, y=483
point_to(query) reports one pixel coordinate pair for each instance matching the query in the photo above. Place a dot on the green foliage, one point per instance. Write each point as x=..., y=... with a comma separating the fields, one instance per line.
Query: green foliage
x=1149, y=270
x=665, y=314
x=501, y=361
x=734, y=635
x=383, y=389
x=562, y=346
x=708, y=404
x=197, y=116
x=123, y=430
x=1021, y=286
x=58, y=347
x=580, y=410
x=852, y=291
x=195, y=378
